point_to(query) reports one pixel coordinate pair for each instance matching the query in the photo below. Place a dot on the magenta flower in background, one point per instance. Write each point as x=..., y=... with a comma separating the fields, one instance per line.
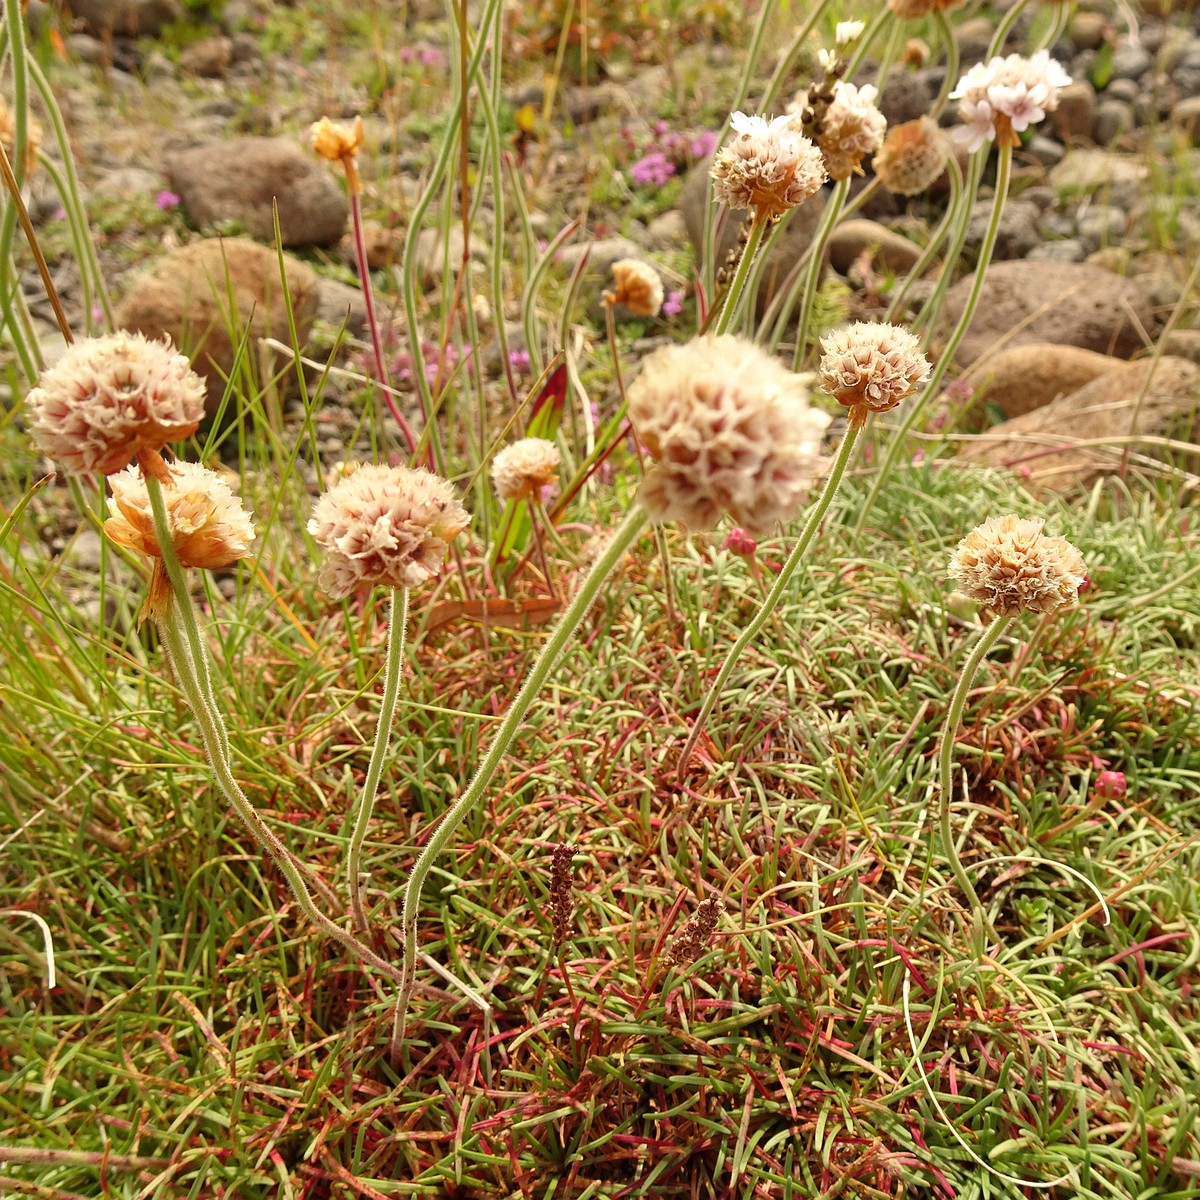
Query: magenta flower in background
x=703, y=144
x=654, y=170
x=673, y=304
x=167, y=200
x=519, y=361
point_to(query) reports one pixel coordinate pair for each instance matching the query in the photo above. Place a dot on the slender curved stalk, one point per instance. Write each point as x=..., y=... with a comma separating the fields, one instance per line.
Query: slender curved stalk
x=734, y=295
x=775, y=595
x=387, y=708
x=991, y=635
x=470, y=799
x=213, y=734
x=950, y=46
x=897, y=443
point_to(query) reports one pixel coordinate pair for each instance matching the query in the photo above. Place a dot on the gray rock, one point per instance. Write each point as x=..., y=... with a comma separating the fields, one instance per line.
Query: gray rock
x=431, y=255
x=1113, y=118
x=1017, y=235
x=340, y=304
x=1089, y=30
x=1070, y=250
x=889, y=250
x=1152, y=398
x=1070, y=304
x=905, y=97
x=130, y=18
x=208, y=58
x=237, y=180
x=1131, y=61
x=203, y=296
x=87, y=49
x=1186, y=117
x=1045, y=150
x=1102, y=225
x=668, y=231
x=1183, y=343
x=601, y=254
x=1186, y=75
x=1073, y=118
x=1085, y=170
x=128, y=181
x=974, y=35
x=1123, y=89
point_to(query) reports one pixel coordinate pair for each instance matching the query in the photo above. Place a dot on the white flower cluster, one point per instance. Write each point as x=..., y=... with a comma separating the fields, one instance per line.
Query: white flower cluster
x=1004, y=96
x=768, y=166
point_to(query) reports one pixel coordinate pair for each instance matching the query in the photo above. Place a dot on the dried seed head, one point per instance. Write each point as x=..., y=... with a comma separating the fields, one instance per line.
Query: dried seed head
x=637, y=287
x=110, y=399
x=912, y=157
x=911, y=9
x=767, y=166
x=692, y=940
x=209, y=527
x=562, y=905
x=1004, y=96
x=732, y=432
x=8, y=136
x=387, y=526
x=850, y=127
x=335, y=142
x=871, y=366
x=1008, y=564
x=521, y=470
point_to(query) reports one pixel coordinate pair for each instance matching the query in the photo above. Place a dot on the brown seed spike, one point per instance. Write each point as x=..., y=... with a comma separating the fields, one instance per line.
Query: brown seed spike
x=562, y=905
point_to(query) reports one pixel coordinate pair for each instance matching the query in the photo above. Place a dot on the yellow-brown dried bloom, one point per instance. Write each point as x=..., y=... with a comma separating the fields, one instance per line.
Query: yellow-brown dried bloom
x=732, y=432
x=693, y=939
x=335, y=142
x=112, y=398
x=209, y=527
x=912, y=157
x=8, y=137
x=637, y=287
x=521, y=470
x=1008, y=564
x=388, y=526
x=911, y=9
x=849, y=128
x=767, y=166
x=871, y=366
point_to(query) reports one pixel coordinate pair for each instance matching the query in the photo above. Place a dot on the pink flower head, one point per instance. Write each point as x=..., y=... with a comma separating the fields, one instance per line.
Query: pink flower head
x=1111, y=785
x=1004, y=96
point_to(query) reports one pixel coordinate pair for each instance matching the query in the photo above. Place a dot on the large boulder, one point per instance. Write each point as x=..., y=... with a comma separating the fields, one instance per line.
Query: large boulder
x=203, y=295
x=1019, y=379
x=1153, y=398
x=240, y=179
x=1068, y=304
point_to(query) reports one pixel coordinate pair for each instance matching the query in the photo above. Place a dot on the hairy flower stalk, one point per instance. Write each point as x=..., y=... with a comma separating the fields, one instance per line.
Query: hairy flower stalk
x=176, y=622
x=336, y=143
x=390, y=527
x=881, y=359
x=1010, y=566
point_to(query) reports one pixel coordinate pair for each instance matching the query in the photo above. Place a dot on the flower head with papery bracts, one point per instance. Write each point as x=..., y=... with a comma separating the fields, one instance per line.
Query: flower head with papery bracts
x=848, y=129
x=637, y=287
x=1004, y=96
x=913, y=157
x=731, y=431
x=521, y=470
x=110, y=399
x=386, y=526
x=871, y=366
x=335, y=142
x=767, y=166
x=209, y=527
x=1008, y=564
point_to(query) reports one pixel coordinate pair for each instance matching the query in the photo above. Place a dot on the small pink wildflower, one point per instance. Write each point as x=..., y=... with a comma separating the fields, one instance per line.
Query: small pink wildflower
x=673, y=304
x=652, y=171
x=739, y=542
x=519, y=360
x=1111, y=785
x=167, y=200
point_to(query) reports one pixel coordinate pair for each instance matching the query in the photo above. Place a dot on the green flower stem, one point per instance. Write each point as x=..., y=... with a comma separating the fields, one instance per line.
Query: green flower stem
x=775, y=595
x=470, y=799
x=213, y=734
x=991, y=635
x=950, y=46
x=734, y=295
x=366, y=802
x=829, y=220
x=197, y=665
x=916, y=411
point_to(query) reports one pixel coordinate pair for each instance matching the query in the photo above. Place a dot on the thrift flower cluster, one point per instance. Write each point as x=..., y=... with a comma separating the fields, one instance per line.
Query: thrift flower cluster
x=1004, y=96
x=669, y=152
x=767, y=166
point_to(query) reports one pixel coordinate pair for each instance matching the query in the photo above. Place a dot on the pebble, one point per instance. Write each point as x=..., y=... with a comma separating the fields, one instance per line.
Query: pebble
x=1131, y=61
x=1017, y=234
x=1113, y=118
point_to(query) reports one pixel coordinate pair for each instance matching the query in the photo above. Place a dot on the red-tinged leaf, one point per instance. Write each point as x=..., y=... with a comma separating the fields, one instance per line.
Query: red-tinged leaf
x=551, y=398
